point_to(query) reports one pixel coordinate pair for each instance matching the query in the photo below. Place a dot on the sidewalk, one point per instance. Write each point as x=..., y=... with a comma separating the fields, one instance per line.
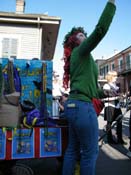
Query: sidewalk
x=112, y=159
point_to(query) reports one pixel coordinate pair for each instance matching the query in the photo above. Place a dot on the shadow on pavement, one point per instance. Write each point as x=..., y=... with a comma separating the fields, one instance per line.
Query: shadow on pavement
x=112, y=162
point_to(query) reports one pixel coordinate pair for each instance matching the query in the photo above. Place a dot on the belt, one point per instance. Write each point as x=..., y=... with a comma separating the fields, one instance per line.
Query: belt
x=78, y=92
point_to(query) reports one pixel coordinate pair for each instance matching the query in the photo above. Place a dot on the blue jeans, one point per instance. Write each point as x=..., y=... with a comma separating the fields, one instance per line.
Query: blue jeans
x=83, y=138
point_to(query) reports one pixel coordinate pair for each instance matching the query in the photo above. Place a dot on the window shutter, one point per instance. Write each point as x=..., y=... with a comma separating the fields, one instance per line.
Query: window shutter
x=9, y=47
x=5, y=47
x=14, y=47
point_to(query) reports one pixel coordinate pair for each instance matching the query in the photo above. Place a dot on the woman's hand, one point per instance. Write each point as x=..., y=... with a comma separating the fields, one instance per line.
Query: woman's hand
x=112, y=1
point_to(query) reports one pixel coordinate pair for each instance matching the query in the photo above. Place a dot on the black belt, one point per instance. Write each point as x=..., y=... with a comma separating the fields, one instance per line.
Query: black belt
x=77, y=92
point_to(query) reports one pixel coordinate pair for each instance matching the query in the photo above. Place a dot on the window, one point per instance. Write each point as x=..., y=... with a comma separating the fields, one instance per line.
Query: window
x=128, y=62
x=106, y=68
x=120, y=64
x=112, y=66
x=9, y=47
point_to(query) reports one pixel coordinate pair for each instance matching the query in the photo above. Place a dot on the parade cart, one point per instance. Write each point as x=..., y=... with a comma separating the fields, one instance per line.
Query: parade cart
x=28, y=129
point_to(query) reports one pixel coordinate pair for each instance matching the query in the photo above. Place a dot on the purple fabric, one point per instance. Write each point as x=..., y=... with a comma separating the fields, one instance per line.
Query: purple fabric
x=17, y=81
x=31, y=115
x=40, y=121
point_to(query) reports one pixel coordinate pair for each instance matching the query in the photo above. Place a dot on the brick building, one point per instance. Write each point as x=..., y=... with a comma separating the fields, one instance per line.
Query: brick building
x=120, y=62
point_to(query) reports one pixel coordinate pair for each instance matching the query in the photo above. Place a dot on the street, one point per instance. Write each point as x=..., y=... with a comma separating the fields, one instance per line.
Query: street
x=112, y=159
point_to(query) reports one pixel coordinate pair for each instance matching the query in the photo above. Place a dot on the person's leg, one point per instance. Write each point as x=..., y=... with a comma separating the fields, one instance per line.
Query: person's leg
x=72, y=151
x=87, y=131
x=109, y=132
x=109, y=113
x=129, y=152
x=118, y=113
x=119, y=133
x=130, y=132
x=71, y=154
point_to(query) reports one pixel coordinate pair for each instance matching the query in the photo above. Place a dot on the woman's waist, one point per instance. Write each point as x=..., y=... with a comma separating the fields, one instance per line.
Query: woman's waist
x=79, y=95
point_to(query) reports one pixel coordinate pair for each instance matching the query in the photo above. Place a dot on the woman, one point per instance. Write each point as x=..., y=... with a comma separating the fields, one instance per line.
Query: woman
x=129, y=106
x=82, y=72
x=112, y=108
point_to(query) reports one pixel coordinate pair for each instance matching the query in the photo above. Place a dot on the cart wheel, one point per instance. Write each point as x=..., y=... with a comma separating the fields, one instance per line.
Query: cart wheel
x=21, y=169
x=1, y=173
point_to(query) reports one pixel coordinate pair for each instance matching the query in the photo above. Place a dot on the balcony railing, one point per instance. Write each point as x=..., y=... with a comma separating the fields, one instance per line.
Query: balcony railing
x=123, y=68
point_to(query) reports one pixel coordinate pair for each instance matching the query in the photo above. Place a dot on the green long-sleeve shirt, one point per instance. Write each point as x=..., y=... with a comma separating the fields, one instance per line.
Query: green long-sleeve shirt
x=83, y=69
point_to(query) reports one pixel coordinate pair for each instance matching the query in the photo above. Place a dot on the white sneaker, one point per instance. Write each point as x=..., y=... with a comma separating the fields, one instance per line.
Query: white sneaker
x=128, y=154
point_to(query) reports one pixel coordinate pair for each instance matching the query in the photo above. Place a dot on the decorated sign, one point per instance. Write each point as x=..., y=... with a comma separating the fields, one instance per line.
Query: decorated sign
x=50, y=144
x=2, y=144
x=23, y=143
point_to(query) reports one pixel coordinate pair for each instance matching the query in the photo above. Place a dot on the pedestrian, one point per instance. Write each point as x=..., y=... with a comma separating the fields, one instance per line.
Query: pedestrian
x=81, y=72
x=112, y=108
x=62, y=101
x=129, y=149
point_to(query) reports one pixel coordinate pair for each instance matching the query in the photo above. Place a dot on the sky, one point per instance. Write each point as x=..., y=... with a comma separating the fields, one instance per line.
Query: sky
x=84, y=13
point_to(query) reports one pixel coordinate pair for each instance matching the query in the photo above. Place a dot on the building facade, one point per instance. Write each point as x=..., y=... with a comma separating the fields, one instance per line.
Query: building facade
x=121, y=63
x=28, y=35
